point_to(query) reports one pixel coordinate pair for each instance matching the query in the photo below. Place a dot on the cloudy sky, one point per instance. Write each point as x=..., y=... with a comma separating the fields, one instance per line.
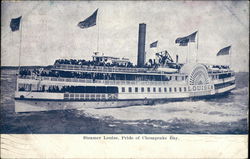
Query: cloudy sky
x=50, y=31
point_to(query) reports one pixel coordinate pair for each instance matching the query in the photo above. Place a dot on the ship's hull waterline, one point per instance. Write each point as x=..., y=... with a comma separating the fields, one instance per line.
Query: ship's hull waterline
x=33, y=105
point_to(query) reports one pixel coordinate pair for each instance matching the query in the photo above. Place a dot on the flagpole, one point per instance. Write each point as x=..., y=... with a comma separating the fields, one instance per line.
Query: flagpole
x=187, y=55
x=197, y=46
x=20, y=52
x=188, y=60
x=230, y=52
x=98, y=33
x=20, y=46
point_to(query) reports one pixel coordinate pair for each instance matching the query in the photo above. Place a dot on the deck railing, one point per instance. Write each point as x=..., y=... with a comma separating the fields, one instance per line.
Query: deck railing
x=223, y=80
x=123, y=69
x=90, y=96
x=220, y=71
x=105, y=69
x=106, y=82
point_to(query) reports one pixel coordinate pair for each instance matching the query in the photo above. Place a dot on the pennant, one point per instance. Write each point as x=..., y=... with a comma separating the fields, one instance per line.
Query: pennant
x=15, y=23
x=89, y=22
x=154, y=44
x=224, y=51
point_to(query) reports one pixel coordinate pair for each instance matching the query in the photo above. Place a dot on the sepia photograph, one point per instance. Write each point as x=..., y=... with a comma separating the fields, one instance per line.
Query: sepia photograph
x=124, y=67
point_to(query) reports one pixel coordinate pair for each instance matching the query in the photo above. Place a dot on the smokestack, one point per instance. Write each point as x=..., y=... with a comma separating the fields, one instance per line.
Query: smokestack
x=141, y=45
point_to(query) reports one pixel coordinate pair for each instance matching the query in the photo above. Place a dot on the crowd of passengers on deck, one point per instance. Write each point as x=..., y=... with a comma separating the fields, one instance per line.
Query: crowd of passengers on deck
x=92, y=63
x=220, y=66
x=72, y=89
x=97, y=63
x=88, y=75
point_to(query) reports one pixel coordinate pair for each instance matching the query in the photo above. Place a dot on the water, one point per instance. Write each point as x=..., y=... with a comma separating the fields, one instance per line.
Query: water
x=224, y=115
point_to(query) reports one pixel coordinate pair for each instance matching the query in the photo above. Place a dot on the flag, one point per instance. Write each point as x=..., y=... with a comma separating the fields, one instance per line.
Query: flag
x=183, y=41
x=154, y=44
x=192, y=36
x=89, y=22
x=15, y=23
x=224, y=51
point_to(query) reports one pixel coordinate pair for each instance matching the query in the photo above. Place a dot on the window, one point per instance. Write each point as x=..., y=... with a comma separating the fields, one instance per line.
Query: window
x=154, y=89
x=123, y=89
x=183, y=78
x=130, y=89
x=165, y=89
x=148, y=89
x=159, y=89
x=175, y=89
x=176, y=77
x=170, y=77
x=112, y=90
x=180, y=89
x=136, y=89
x=142, y=89
x=185, y=89
x=170, y=89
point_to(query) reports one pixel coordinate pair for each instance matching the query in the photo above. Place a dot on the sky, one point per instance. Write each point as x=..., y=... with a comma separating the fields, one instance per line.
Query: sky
x=49, y=30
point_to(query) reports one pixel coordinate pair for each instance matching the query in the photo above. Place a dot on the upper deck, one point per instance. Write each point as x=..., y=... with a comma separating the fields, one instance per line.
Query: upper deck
x=106, y=69
x=131, y=70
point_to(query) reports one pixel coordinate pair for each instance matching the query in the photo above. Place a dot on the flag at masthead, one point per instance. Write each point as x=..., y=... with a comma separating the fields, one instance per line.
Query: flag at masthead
x=224, y=51
x=89, y=22
x=154, y=44
x=183, y=41
x=15, y=23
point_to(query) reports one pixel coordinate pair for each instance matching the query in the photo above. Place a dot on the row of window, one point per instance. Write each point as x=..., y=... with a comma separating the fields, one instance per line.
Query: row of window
x=221, y=76
x=69, y=89
x=223, y=85
x=154, y=89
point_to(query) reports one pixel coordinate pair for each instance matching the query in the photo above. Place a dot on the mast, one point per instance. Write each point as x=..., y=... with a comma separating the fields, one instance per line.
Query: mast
x=20, y=47
x=20, y=52
x=98, y=34
x=230, y=57
x=188, y=60
x=197, y=46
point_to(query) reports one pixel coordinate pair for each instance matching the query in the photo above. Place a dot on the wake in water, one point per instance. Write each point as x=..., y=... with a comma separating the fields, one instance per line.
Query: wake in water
x=198, y=111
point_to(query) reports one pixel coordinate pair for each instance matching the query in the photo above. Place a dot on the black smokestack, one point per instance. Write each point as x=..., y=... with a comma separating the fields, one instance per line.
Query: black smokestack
x=141, y=45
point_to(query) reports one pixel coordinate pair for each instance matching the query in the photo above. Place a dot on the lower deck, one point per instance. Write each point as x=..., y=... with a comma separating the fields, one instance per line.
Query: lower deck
x=61, y=101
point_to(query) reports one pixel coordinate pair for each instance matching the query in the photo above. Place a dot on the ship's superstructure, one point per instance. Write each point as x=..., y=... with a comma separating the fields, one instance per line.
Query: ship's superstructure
x=109, y=81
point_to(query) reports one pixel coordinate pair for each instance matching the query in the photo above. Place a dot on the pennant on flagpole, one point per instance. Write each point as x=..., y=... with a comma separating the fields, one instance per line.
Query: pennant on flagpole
x=224, y=51
x=88, y=22
x=15, y=23
x=154, y=44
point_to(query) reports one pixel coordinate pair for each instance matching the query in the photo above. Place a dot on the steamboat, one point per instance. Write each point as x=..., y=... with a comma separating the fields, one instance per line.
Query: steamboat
x=106, y=82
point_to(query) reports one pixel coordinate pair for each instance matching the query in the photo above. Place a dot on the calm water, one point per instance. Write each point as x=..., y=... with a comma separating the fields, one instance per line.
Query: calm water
x=224, y=115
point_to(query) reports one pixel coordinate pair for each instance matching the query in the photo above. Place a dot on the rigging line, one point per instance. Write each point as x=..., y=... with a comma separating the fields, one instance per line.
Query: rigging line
x=234, y=15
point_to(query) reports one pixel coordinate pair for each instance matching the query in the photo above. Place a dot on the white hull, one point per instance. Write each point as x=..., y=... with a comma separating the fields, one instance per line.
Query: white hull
x=31, y=105
x=36, y=105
